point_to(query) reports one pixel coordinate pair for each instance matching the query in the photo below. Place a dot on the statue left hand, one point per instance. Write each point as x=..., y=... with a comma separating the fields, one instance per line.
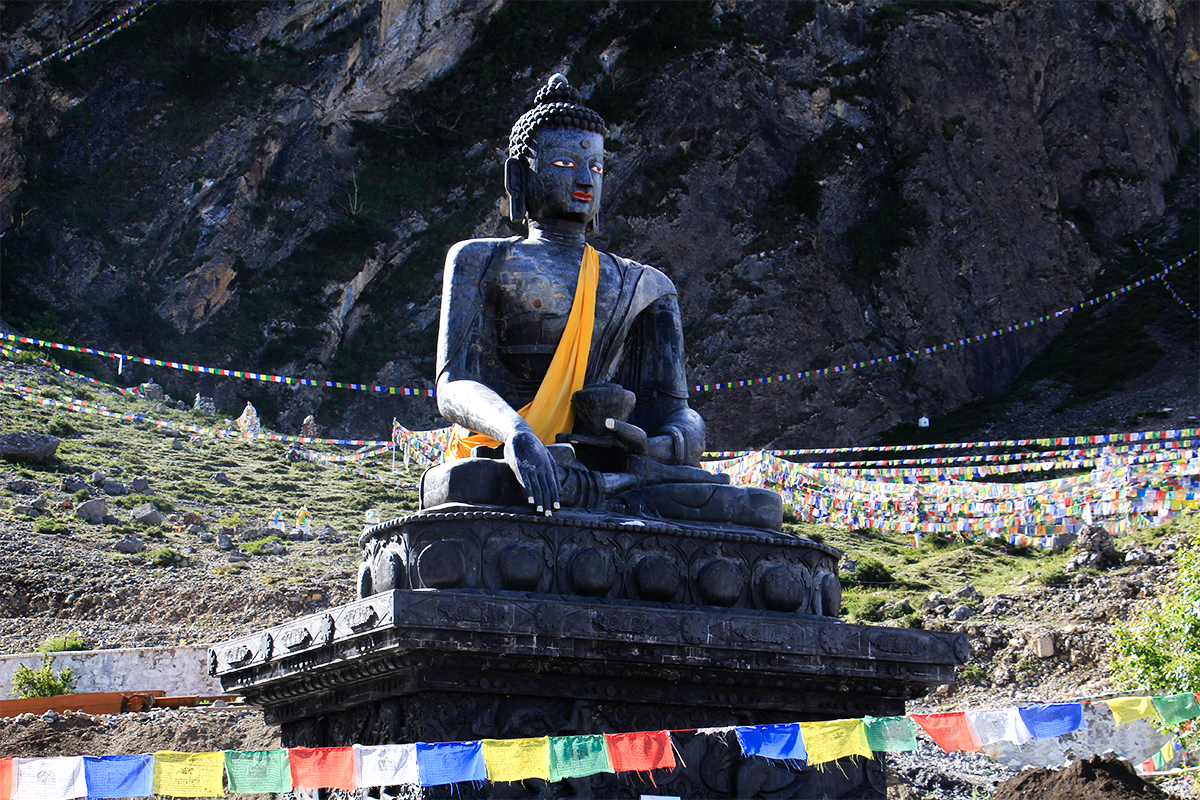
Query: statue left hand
x=534, y=467
x=636, y=442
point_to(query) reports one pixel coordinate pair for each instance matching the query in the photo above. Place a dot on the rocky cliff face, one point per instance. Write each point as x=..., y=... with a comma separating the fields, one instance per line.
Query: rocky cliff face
x=272, y=186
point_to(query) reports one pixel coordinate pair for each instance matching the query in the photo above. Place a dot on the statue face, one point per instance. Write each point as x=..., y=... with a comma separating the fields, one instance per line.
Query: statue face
x=566, y=179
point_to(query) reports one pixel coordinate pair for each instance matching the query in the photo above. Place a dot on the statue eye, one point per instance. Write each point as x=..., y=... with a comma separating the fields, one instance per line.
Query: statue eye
x=598, y=169
x=563, y=162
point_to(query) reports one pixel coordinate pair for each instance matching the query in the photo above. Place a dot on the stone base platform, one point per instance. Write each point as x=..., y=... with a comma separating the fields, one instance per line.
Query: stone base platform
x=434, y=665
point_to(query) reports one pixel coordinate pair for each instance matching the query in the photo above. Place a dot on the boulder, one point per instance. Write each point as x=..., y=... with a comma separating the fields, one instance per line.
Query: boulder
x=961, y=613
x=22, y=487
x=41, y=504
x=115, y=488
x=139, y=484
x=93, y=511
x=205, y=405
x=177, y=444
x=1042, y=645
x=221, y=477
x=72, y=485
x=130, y=544
x=274, y=549
x=28, y=446
x=224, y=541
x=152, y=390
x=26, y=510
x=967, y=594
x=146, y=514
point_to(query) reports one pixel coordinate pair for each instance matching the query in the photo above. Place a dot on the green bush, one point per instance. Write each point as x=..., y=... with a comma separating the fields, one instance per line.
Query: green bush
x=1158, y=650
x=255, y=548
x=58, y=644
x=51, y=526
x=82, y=496
x=1055, y=577
x=872, y=572
x=60, y=427
x=165, y=557
x=42, y=682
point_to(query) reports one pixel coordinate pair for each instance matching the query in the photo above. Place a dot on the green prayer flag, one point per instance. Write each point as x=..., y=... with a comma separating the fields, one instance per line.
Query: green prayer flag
x=578, y=756
x=254, y=771
x=1177, y=708
x=890, y=734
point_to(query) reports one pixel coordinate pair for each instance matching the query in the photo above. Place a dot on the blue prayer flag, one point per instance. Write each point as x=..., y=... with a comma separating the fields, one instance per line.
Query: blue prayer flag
x=450, y=762
x=119, y=776
x=1053, y=719
x=782, y=742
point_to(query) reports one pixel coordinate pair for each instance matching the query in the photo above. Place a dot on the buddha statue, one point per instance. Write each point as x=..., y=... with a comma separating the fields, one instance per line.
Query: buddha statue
x=562, y=367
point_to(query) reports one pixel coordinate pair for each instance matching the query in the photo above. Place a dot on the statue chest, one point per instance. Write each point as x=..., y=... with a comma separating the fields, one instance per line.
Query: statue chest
x=533, y=301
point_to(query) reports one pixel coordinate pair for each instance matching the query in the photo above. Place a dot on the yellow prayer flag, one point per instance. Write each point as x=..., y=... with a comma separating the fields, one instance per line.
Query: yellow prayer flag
x=517, y=759
x=189, y=774
x=1128, y=709
x=829, y=741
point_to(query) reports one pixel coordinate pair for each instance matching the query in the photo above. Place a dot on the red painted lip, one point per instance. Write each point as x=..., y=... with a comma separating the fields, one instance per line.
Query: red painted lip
x=584, y=196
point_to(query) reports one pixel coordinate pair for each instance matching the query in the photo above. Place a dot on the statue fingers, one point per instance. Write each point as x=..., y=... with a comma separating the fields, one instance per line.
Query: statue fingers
x=631, y=436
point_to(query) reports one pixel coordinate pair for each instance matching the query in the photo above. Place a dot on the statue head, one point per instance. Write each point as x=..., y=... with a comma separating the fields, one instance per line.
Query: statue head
x=555, y=166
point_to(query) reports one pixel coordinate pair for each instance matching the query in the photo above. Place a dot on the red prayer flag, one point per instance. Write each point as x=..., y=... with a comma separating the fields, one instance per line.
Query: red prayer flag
x=950, y=730
x=322, y=767
x=640, y=752
x=6, y=772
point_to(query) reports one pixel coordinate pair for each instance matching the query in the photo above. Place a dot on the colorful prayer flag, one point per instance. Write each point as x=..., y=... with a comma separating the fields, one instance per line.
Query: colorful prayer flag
x=256, y=771
x=386, y=765
x=781, y=742
x=1048, y=721
x=948, y=729
x=450, y=762
x=890, y=734
x=6, y=778
x=322, y=767
x=189, y=774
x=1177, y=708
x=517, y=759
x=640, y=752
x=998, y=725
x=118, y=776
x=834, y=739
x=1128, y=709
x=578, y=756
x=48, y=778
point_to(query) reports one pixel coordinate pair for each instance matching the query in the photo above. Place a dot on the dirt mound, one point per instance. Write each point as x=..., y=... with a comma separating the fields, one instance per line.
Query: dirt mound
x=1096, y=778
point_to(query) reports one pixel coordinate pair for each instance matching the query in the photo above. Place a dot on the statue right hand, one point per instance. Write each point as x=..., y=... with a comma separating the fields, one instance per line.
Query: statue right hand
x=535, y=469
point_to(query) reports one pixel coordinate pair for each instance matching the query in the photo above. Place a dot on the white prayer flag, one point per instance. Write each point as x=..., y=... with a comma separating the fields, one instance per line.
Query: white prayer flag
x=386, y=764
x=48, y=778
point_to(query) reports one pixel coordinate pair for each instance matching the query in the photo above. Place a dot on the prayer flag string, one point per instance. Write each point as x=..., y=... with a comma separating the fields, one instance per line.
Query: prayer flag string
x=90, y=39
x=554, y=758
x=707, y=387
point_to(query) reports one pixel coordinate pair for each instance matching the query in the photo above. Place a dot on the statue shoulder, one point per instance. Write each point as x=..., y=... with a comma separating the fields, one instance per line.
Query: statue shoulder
x=648, y=279
x=473, y=255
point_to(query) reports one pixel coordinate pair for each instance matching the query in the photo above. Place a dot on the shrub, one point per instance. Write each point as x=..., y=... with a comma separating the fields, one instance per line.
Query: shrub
x=872, y=571
x=42, y=682
x=50, y=525
x=58, y=644
x=1158, y=650
x=165, y=557
x=255, y=548
x=1055, y=577
x=61, y=427
x=82, y=496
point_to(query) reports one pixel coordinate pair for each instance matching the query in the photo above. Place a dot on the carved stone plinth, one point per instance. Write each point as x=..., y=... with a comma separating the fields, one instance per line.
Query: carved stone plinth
x=462, y=664
x=601, y=555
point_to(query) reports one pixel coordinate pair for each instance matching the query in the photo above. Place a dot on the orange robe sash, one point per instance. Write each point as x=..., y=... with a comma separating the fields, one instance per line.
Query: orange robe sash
x=551, y=413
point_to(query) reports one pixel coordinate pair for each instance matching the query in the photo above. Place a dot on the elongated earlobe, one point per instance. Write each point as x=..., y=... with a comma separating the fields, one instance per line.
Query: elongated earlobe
x=593, y=225
x=514, y=186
